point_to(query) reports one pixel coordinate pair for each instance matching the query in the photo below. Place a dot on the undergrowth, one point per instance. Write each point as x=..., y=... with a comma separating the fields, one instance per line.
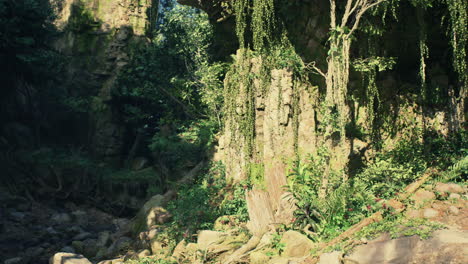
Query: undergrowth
x=384, y=178
x=198, y=205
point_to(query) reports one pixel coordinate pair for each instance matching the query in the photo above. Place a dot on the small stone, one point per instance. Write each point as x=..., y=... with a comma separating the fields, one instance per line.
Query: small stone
x=279, y=260
x=413, y=213
x=448, y=188
x=331, y=258
x=397, y=205
x=422, y=196
x=18, y=216
x=258, y=258
x=152, y=234
x=454, y=210
x=119, y=245
x=34, y=252
x=81, y=217
x=90, y=248
x=144, y=253
x=438, y=206
x=75, y=230
x=13, y=260
x=430, y=213
x=157, y=215
x=121, y=223
x=51, y=231
x=61, y=218
x=67, y=249
x=103, y=239
x=82, y=236
x=179, y=249
x=156, y=246
x=78, y=246
x=455, y=196
x=266, y=239
x=101, y=253
x=68, y=258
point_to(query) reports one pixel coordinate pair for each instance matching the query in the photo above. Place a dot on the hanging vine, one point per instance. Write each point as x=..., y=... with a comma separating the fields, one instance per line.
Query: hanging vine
x=263, y=23
x=421, y=6
x=458, y=33
x=263, y=47
x=369, y=67
x=241, y=10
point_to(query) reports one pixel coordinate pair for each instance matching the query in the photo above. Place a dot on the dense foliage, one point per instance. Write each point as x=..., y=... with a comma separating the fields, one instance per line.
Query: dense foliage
x=384, y=177
x=24, y=51
x=389, y=69
x=173, y=77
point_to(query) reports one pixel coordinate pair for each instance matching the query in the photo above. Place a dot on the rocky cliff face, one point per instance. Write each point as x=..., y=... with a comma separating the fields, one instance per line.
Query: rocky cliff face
x=98, y=36
x=287, y=121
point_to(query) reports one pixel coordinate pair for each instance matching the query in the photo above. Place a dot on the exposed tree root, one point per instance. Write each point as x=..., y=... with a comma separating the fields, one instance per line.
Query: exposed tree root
x=243, y=251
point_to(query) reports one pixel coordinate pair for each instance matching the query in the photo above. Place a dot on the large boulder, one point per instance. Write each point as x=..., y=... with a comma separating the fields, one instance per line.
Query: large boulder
x=208, y=238
x=386, y=251
x=119, y=245
x=152, y=213
x=296, y=244
x=68, y=258
x=331, y=258
x=445, y=246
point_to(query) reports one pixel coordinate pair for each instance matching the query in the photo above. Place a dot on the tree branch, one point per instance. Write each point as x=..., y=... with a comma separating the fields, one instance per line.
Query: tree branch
x=315, y=68
x=365, y=6
x=332, y=14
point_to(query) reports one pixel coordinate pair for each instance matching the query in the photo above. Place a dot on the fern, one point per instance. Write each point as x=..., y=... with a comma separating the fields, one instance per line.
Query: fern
x=458, y=171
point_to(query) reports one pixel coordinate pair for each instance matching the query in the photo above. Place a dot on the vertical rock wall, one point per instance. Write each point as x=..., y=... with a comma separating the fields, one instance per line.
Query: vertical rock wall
x=284, y=130
x=98, y=36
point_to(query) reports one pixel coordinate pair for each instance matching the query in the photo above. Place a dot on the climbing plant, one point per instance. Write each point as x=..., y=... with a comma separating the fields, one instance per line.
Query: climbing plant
x=263, y=47
x=369, y=67
x=338, y=65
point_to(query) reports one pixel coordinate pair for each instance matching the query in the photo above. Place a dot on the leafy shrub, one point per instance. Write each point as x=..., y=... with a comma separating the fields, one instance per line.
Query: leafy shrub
x=399, y=226
x=197, y=205
x=459, y=171
x=385, y=178
x=186, y=147
x=234, y=202
x=344, y=205
x=174, y=78
x=394, y=169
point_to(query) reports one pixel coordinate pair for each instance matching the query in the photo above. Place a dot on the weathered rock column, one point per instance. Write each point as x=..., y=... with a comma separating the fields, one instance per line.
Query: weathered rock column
x=98, y=36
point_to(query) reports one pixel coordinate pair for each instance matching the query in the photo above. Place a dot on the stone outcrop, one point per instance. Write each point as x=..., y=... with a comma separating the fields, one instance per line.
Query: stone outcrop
x=98, y=36
x=287, y=123
x=445, y=246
